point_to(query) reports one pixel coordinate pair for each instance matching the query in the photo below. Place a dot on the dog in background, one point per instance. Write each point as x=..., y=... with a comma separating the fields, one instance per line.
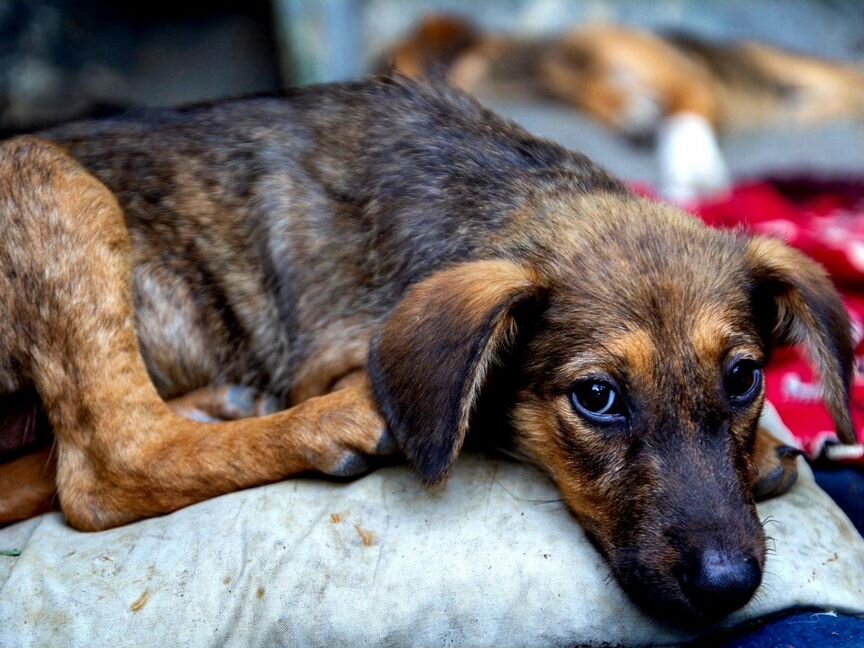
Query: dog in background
x=396, y=267
x=677, y=89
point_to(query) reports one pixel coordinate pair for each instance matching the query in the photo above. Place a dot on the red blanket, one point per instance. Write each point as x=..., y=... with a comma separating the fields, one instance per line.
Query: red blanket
x=825, y=220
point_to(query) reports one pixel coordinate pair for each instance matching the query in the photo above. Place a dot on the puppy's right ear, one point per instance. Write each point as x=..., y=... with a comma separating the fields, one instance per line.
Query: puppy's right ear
x=429, y=363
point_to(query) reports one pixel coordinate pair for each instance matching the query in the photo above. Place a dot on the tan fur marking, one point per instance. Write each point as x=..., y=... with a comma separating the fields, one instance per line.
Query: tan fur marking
x=537, y=442
x=710, y=333
x=637, y=349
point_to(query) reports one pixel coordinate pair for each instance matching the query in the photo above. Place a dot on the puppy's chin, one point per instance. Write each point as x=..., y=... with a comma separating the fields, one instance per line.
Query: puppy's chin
x=656, y=593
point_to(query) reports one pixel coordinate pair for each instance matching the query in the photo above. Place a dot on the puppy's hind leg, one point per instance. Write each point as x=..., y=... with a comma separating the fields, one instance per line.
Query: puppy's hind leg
x=27, y=487
x=68, y=330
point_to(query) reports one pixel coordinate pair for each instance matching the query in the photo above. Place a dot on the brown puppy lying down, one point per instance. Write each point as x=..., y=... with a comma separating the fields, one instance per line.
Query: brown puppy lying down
x=387, y=256
x=675, y=88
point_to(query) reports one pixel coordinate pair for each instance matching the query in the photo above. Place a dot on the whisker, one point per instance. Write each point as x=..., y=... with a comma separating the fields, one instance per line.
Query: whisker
x=528, y=499
x=51, y=452
x=770, y=519
x=760, y=594
x=25, y=430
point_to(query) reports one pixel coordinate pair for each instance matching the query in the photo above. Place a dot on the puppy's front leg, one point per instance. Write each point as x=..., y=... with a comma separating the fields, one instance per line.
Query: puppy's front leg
x=69, y=331
x=177, y=462
x=776, y=466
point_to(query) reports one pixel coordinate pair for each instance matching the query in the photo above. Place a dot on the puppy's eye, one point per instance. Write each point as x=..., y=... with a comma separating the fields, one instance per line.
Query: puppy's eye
x=598, y=401
x=743, y=380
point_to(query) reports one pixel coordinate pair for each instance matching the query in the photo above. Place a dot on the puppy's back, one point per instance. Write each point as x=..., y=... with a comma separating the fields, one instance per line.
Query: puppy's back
x=265, y=223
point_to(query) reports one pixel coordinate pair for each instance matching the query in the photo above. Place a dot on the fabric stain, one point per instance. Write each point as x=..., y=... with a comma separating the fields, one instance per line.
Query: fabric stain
x=366, y=536
x=142, y=601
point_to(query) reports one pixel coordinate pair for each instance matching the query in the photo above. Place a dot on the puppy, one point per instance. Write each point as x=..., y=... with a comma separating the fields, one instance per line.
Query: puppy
x=384, y=258
x=675, y=89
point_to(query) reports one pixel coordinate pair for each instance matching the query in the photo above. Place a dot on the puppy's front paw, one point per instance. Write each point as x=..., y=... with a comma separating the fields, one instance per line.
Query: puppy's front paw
x=353, y=464
x=776, y=467
x=350, y=436
x=344, y=461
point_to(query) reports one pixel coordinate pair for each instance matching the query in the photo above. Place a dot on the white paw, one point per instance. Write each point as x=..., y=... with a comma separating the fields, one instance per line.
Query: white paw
x=691, y=164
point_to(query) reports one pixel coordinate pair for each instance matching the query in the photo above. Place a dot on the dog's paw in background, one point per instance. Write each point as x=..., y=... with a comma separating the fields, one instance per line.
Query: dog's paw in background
x=691, y=164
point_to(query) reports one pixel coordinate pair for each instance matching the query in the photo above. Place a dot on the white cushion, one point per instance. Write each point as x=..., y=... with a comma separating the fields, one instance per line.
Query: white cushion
x=492, y=559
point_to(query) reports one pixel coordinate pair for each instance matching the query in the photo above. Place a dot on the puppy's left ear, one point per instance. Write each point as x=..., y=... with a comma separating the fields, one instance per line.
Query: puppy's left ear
x=796, y=303
x=429, y=363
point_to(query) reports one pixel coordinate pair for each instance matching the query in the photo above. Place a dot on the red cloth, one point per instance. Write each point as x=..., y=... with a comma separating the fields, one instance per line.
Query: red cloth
x=825, y=220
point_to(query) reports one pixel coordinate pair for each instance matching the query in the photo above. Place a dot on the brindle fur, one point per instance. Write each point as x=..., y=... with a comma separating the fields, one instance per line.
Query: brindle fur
x=288, y=243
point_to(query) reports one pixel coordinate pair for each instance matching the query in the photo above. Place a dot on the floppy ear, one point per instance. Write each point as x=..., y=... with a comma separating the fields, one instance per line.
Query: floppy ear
x=429, y=363
x=797, y=304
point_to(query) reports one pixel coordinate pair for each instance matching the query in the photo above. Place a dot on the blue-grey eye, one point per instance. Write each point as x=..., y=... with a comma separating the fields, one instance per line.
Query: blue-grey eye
x=598, y=400
x=743, y=380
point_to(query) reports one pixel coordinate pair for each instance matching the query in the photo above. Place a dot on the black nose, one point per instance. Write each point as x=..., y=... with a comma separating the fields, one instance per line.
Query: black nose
x=719, y=582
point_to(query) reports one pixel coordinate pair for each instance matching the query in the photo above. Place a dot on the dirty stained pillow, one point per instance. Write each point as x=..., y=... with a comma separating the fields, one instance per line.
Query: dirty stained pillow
x=493, y=558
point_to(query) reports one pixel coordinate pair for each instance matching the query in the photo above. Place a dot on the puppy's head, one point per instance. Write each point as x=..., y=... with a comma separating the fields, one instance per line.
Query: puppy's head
x=633, y=349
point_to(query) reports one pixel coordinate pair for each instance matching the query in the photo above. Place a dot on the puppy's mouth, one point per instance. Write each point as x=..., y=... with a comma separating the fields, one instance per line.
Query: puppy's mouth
x=699, y=588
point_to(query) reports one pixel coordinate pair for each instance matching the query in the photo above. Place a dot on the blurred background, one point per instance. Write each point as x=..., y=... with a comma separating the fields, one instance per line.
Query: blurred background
x=60, y=60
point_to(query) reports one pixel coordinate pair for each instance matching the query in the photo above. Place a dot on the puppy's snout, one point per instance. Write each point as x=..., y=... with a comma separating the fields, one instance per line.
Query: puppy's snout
x=719, y=582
